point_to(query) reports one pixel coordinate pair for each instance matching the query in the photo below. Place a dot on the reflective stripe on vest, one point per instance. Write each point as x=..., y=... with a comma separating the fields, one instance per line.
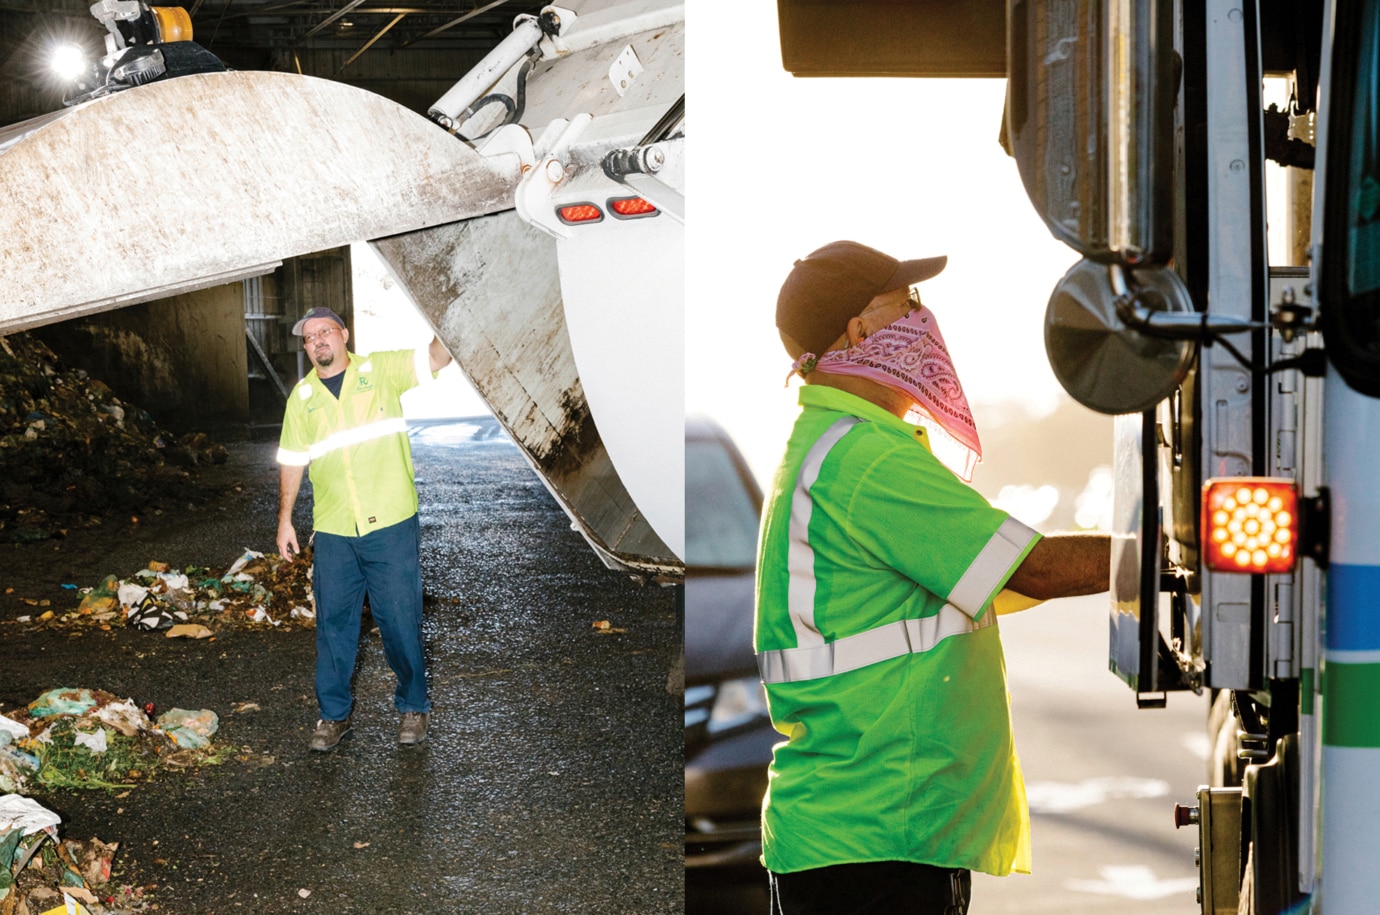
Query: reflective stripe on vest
x=893, y=640
x=813, y=657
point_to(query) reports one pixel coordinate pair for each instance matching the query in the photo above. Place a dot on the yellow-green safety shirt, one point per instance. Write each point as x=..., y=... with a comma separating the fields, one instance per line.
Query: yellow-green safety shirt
x=878, y=645
x=357, y=446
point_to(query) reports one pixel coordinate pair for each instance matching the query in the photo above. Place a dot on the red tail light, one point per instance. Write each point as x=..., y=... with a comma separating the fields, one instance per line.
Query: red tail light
x=1250, y=524
x=631, y=207
x=578, y=213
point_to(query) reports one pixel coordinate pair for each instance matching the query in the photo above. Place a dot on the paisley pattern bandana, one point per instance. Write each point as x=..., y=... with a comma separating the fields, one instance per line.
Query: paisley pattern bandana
x=909, y=355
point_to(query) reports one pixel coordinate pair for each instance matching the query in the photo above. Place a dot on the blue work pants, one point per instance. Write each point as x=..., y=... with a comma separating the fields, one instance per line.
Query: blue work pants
x=387, y=565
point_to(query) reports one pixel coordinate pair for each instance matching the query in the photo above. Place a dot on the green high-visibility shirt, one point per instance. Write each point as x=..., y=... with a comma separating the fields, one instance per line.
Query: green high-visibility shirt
x=879, y=649
x=357, y=446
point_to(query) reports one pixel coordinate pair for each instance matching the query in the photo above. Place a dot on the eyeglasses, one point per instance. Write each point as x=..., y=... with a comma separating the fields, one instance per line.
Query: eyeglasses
x=309, y=339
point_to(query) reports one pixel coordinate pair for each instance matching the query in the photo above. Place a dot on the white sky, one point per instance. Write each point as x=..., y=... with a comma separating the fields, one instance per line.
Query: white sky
x=782, y=165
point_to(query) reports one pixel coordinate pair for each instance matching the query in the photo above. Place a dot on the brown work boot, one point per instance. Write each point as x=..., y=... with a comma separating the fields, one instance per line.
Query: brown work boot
x=413, y=728
x=328, y=734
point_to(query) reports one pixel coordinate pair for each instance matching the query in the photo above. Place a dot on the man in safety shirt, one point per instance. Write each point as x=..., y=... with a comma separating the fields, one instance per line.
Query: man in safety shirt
x=345, y=419
x=880, y=577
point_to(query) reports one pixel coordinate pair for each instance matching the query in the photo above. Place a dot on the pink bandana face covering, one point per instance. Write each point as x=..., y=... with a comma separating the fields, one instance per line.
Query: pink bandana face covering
x=909, y=355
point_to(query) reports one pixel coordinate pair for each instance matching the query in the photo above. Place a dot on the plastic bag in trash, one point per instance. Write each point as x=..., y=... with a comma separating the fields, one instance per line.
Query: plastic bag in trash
x=26, y=814
x=152, y=615
x=62, y=701
x=11, y=730
x=188, y=729
x=249, y=556
x=95, y=741
x=101, y=598
x=123, y=716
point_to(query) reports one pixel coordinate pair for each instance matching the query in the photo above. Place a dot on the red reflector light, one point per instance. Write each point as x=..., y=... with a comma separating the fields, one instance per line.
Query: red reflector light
x=578, y=213
x=629, y=207
x=1250, y=524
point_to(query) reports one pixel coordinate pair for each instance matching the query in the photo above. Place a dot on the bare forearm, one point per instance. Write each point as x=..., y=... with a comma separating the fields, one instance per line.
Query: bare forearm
x=1065, y=565
x=289, y=483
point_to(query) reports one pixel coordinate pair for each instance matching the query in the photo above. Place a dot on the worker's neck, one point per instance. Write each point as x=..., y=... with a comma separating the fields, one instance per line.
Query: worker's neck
x=888, y=399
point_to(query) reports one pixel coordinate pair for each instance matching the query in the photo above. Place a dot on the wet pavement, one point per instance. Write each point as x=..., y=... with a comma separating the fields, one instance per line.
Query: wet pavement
x=551, y=780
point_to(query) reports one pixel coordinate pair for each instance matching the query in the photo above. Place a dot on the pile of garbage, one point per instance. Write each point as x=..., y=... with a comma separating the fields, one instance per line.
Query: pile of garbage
x=43, y=877
x=83, y=738
x=257, y=591
x=71, y=453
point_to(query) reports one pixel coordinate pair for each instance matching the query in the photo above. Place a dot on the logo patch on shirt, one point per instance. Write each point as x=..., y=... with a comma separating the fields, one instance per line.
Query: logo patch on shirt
x=373, y=519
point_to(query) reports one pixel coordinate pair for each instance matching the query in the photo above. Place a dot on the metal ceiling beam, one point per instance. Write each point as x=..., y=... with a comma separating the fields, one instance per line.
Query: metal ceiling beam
x=454, y=22
x=333, y=17
x=370, y=43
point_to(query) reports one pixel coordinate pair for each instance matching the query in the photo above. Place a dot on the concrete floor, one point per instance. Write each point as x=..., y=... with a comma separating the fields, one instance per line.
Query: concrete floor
x=551, y=780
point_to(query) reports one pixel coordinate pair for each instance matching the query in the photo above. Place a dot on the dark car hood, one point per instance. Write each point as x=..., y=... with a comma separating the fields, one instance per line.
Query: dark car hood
x=718, y=626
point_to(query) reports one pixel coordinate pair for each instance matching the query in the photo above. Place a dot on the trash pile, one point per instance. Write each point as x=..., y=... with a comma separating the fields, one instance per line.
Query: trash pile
x=83, y=738
x=72, y=453
x=257, y=591
x=42, y=877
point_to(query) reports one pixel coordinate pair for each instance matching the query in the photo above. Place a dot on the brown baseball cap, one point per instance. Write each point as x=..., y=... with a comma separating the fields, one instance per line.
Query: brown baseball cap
x=835, y=283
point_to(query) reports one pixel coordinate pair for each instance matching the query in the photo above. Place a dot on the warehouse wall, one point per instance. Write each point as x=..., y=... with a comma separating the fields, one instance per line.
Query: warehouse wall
x=182, y=359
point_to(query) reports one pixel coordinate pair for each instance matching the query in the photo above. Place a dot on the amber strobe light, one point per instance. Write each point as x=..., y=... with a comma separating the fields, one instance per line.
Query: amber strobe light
x=1250, y=524
x=173, y=23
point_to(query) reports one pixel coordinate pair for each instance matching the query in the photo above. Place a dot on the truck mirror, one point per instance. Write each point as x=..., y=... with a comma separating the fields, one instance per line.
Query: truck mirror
x=1090, y=105
x=1101, y=362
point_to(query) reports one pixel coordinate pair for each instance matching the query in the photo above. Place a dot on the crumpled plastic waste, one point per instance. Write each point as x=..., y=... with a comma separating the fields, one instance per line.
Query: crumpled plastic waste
x=95, y=741
x=101, y=599
x=189, y=729
x=84, y=738
x=124, y=716
x=25, y=814
x=62, y=701
x=29, y=881
x=150, y=614
x=16, y=766
x=11, y=730
x=256, y=589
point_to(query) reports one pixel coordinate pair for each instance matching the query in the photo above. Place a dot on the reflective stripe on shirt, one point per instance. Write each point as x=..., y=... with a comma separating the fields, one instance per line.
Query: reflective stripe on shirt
x=892, y=640
x=974, y=589
x=347, y=437
x=800, y=559
x=294, y=458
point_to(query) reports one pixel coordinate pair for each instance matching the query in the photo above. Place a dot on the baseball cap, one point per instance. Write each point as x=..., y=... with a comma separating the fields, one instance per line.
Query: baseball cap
x=319, y=311
x=835, y=283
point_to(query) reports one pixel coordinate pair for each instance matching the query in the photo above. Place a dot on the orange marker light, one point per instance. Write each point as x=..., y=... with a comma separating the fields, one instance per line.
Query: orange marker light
x=579, y=213
x=1250, y=524
x=630, y=207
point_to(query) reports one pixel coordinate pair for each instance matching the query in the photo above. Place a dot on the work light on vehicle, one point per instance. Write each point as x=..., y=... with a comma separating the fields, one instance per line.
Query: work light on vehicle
x=1250, y=524
x=630, y=207
x=579, y=213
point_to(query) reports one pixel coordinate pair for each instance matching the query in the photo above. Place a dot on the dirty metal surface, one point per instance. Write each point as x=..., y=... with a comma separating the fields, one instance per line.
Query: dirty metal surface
x=196, y=181
x=551, y=781
x=490, y=288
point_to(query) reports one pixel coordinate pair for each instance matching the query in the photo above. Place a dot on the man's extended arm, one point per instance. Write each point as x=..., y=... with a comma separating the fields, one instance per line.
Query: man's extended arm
x=1065, y=565
x=289, y=482
x=440, y=358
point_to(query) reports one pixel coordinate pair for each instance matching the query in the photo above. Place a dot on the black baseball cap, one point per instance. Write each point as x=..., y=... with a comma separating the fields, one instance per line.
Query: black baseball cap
x=319, y=311
x=835, y=283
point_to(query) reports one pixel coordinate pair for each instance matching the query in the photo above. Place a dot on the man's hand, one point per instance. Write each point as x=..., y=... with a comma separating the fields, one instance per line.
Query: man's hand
x=289, y=481
x=287, y=541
